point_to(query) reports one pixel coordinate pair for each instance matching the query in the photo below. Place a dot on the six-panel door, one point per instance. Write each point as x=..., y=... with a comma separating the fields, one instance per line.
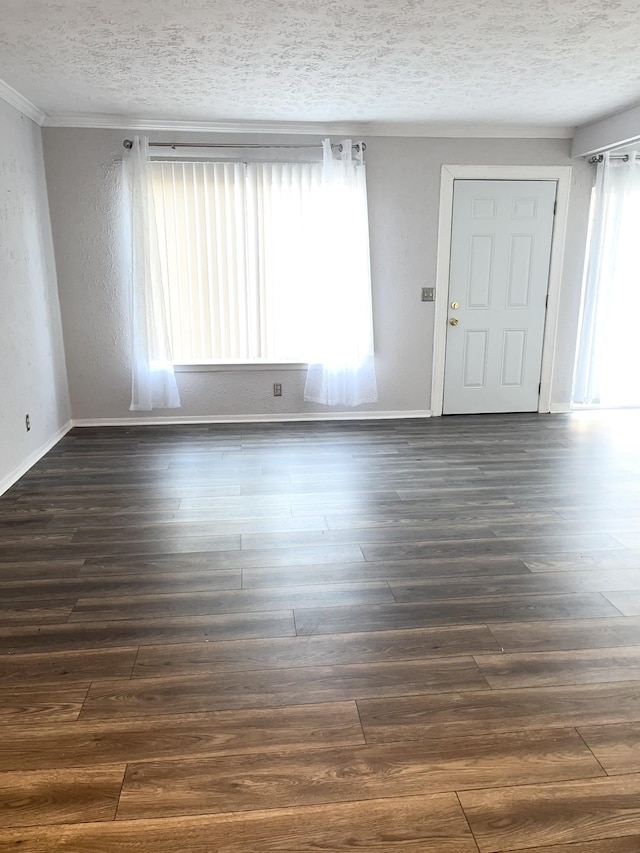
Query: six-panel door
x=499, y=274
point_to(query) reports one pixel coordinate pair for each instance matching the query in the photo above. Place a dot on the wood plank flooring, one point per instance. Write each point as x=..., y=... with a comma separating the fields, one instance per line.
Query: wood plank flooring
x=416, y=636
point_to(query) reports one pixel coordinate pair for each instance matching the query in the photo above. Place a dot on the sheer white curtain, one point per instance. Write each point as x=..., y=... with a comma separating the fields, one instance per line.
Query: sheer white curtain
x=153, y=383
x=283, y=203
x=341, y=369
x=607, y=371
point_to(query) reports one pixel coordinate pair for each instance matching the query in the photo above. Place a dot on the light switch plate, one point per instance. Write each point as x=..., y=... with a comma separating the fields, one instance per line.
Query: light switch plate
x=428, y=294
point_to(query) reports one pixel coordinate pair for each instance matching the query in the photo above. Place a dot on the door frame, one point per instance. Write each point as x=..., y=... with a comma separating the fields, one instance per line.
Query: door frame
x=562, y=176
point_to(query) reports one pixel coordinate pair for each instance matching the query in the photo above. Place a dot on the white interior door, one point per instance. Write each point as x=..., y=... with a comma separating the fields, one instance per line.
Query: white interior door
x=498, y=281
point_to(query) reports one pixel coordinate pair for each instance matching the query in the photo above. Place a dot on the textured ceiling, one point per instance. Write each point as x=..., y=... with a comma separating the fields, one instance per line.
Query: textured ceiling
x=524, y=61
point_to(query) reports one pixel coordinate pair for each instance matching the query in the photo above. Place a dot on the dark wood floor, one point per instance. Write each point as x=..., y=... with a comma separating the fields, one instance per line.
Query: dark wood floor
x=416, y=636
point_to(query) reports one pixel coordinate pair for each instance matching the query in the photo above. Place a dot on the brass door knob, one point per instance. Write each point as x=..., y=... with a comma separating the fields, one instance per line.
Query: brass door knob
x=454, y=321
x=455, y=306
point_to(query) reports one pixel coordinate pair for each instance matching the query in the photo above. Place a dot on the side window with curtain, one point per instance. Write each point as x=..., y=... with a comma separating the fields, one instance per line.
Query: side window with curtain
x=269, y=262
x=608, y=355
x=251, y=262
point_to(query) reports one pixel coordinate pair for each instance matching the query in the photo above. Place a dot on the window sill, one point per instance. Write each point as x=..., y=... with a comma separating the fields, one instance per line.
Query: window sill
x=223, y=366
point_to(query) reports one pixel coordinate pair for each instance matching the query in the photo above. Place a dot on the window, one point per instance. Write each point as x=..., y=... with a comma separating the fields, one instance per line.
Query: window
x=250, y=262
x=607, y=359
x=238, y=243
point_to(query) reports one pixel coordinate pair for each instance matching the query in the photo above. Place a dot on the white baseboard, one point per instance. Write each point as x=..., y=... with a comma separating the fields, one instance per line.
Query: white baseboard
x=243, y=419
x=560, y=408
x=12, y=478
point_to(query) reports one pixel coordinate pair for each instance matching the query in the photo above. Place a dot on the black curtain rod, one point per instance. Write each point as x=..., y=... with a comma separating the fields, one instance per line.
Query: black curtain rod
x=128, y=143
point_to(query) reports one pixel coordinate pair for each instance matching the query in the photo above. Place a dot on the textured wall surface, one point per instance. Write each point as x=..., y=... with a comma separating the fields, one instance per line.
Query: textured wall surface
x=530, y=61
x=33, y=377
x=404, y=186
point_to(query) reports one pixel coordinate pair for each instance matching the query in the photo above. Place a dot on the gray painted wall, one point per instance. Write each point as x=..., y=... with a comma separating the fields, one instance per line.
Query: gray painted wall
x=33, y=378
x=84, y=186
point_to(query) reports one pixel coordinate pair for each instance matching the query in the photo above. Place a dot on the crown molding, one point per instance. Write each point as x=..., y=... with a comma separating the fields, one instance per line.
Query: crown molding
x=22, y=104
x=358, y=129
x=97, y=121
x=607, y=133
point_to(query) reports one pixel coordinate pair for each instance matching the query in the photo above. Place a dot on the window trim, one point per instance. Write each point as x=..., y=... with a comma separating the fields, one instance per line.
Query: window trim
x=232, y=366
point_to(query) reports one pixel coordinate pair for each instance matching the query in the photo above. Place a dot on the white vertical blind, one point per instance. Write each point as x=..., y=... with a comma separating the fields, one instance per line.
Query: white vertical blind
x=201, y=213
x=237, y=237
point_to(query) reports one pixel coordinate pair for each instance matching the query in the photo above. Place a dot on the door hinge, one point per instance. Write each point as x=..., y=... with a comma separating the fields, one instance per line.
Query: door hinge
x=555, y=207
x=546, y=301
x=539, y=387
